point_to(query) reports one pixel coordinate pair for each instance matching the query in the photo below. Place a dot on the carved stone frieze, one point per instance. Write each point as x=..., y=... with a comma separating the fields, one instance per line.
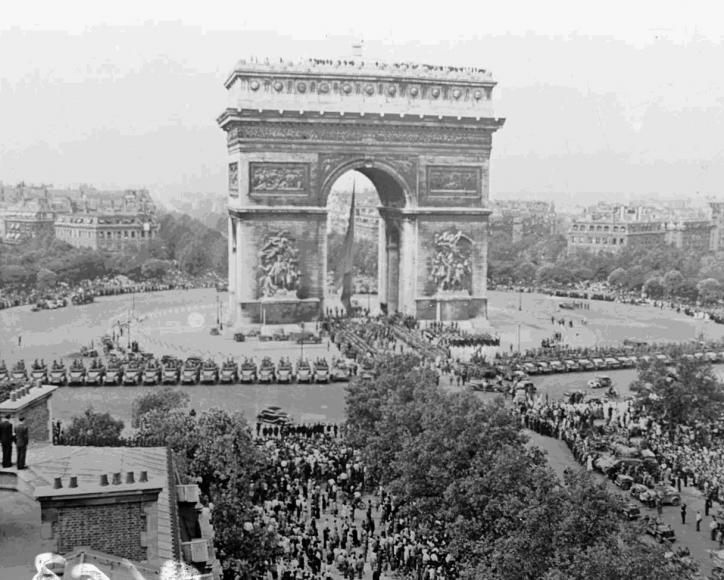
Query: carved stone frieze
x=454, y=180
x=278, y=178
x=364, y=134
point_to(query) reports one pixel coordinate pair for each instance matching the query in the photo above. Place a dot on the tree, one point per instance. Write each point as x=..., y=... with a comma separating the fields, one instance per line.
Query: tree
x=654, y=288
x=525, y=272
x=154, y=268
x=671, y=282
x=95, y=428
x=12, y=275
x=618, y=278
x=689, y=394
x=45, y=278
x=175, y=429
x=710, y=290
x=194, y=258
x=163, y=400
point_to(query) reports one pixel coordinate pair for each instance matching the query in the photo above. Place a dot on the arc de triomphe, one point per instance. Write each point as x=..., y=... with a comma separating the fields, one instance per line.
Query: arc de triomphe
x=422, y=134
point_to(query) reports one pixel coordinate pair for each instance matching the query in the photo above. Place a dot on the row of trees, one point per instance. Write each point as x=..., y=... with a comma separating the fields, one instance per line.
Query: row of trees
x=661, y=272
x=183, y=243
x=456, y=462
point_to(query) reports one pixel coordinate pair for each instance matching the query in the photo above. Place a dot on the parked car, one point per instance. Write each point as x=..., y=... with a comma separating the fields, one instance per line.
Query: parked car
x=571, y=365
x=544, y=368
x=661, y=531
x=612, y=363
x=598, y=364
x=530, y=369
x=600, y=382
x=239, y=337
x=306, y=337
x=557, y=366
x=585, y=364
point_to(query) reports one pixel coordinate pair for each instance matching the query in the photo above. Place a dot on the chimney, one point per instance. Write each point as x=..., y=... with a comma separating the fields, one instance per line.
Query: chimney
x=119, y=519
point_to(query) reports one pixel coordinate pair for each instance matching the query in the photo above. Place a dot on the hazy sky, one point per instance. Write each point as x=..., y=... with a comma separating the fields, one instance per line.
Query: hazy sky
x=618, y=97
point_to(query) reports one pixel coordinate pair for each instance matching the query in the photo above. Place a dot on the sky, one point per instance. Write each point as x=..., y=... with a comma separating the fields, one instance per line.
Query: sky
x=616, y=99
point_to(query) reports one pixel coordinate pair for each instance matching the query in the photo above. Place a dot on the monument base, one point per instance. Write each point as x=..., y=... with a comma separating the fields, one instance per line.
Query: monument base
x=280, y=310
x=453, y=307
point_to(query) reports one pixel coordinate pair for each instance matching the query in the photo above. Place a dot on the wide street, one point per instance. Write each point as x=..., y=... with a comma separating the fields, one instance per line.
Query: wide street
x=178, y=322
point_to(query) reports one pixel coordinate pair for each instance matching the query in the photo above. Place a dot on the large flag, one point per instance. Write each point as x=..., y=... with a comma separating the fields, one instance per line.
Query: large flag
x=346, y=263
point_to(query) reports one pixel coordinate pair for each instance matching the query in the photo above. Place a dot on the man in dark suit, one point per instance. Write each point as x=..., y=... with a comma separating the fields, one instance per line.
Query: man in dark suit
x=21, y=442
x=6, y=441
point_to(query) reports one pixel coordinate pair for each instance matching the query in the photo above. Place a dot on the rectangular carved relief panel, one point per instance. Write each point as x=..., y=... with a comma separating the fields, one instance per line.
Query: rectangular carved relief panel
x=453, y=181
x=234, y=178
x=278, y=178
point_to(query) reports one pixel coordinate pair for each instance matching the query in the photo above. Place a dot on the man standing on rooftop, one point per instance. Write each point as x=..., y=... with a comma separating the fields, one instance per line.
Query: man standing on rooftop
x=21, y=442
x=6, y=441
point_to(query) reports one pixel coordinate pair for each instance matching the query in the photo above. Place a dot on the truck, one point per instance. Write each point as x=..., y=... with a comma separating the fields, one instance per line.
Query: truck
x=191, y=371
x=266, y=371
x=284, y=371
x=170, y=371
x=321, y=371
x=95, y=373
x=209, y=373
x=248, y=371
x=341, y=371
x=152, y=373
x=57, y=374
x=114, y=373
x=304, y=371
x=229, y=373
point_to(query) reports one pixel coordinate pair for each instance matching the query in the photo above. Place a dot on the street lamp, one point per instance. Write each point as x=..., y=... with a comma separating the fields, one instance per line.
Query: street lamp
x=301, y=340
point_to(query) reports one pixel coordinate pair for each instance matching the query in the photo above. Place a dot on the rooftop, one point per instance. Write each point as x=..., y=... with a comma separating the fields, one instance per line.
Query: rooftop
x=20, y=525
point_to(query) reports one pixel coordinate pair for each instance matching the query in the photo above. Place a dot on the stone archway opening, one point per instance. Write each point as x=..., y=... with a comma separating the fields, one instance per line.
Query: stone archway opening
x=376, y=238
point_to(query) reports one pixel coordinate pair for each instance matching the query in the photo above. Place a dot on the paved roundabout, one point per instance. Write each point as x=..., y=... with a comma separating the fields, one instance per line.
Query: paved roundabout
x=178, y=322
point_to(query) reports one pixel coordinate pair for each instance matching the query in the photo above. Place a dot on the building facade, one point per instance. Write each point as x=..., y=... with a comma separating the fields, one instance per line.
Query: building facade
x=25, y=220
x=111, y=232
x=611, y=235
x=691, y=235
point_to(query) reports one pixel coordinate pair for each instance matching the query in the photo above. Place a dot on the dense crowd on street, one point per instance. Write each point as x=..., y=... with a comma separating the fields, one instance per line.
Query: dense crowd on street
x=106, y=286
x=332, y=521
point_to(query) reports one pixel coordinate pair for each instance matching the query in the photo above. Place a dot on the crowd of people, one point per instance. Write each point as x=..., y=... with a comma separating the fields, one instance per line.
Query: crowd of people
x=596, y=430
x=106, y=286
x=332, y=521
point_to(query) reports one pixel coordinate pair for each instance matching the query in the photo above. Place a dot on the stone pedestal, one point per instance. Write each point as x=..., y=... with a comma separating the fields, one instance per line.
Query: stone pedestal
x=283, y=310
x=250, y=228
x=450, y=307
